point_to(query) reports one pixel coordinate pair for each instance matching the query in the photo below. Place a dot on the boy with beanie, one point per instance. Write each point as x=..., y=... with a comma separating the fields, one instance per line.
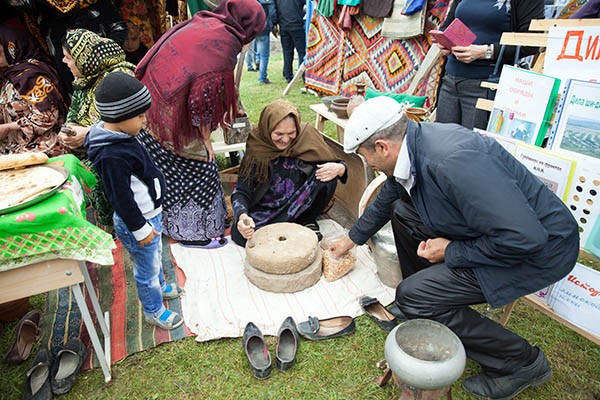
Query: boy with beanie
x=135, y=188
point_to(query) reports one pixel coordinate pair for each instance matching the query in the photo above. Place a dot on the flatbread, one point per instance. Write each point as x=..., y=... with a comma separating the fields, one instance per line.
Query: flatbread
x=20, y=185
x=20, y=160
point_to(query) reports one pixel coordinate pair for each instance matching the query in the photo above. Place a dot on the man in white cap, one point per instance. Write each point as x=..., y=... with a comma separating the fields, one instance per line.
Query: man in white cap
x=472, y=225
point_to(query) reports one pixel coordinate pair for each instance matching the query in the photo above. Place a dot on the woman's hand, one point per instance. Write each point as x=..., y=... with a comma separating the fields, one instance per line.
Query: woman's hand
x=73, y=141
x=329, y=171
x=340, y=247
x=5, y=129
x=433, y=250
x=468, y=54
x=245, y=226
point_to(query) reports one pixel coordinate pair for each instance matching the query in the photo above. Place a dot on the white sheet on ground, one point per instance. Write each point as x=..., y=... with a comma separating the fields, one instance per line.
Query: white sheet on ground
x=219, y=300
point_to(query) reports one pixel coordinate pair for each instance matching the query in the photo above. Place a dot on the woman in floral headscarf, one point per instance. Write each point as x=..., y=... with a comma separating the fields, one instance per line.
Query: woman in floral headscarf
x=289, y=174
x=32, y=106
x=189, y=73
x=90, y=58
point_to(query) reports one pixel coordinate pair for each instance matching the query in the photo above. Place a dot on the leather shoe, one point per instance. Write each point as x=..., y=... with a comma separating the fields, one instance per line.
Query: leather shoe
x=506, y=387
x=256, y=351
x=287, y=345
x=315, y=329
x=396, y=312
x=66, y=366
x=37, y=383
x=28, y=332
x=378, y=313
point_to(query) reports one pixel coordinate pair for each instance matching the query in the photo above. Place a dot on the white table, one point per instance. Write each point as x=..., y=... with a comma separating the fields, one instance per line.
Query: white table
x=324, y=115
x=41, y=277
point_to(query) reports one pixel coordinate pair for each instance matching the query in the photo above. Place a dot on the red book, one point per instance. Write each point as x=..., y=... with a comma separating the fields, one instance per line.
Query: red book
x=456, y=34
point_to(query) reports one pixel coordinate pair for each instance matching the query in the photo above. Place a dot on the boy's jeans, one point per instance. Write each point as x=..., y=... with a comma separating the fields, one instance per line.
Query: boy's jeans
x=263, y=44
x=147, y=265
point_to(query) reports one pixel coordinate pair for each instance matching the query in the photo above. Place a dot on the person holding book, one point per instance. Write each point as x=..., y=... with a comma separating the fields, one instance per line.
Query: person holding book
x=135, y=188
x=468, y=66
x=471, y=225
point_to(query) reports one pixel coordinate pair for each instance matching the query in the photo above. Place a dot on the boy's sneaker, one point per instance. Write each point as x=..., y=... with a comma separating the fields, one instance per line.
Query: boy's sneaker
x=171, y=291
x=167, y=320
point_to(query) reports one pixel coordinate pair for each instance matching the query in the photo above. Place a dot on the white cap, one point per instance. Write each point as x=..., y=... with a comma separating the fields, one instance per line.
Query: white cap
x=369, y=117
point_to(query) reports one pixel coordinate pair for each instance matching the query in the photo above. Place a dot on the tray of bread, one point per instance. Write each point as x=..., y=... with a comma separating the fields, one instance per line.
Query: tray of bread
x=26, y=180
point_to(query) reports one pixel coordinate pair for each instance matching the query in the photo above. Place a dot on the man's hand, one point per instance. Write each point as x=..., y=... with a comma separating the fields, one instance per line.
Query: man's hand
x=433, y=250
x=329, y=171
x=245, y=226
x=468, y=54
x=148, y=239
x=73, y=141
x=342, y=246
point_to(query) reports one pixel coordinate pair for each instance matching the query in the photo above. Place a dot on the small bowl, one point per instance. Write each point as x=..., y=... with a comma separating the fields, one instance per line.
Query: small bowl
x=328, y=100
x=341, y=101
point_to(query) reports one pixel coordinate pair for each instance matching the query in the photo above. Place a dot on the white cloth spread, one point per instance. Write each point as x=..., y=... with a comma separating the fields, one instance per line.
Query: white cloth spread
x=219, y=300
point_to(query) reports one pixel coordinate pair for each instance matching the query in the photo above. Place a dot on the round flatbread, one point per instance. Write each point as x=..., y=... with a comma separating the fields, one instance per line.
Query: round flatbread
x=10, y=161
x=20, y=185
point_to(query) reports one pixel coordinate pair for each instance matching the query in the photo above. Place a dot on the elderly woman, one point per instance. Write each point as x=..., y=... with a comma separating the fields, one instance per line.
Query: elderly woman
x=289, y=174
x=189, y=73
x=32, y=106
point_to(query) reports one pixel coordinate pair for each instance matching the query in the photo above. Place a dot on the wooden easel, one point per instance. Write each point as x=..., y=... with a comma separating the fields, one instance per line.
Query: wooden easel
x=539, y=40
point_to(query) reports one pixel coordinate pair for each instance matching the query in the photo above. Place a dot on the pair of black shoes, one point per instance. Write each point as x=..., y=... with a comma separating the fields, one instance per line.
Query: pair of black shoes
x=258, y=355
x=54, y=375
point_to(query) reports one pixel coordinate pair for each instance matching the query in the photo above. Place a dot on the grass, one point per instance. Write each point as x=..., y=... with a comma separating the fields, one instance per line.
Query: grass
x=342, y=368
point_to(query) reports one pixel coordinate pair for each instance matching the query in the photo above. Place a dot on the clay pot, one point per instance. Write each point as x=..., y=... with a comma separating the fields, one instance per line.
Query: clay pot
x=425, y=354
x=328, y=100
x=358, y=98
x=339, y=107
x=417, y=114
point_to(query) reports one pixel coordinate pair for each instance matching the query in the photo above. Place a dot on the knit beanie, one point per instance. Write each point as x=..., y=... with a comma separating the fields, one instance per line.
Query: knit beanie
x=120, y=97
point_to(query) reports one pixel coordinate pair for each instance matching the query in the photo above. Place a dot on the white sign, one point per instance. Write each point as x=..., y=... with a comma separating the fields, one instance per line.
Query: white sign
x=576, y=298
x=573, y=53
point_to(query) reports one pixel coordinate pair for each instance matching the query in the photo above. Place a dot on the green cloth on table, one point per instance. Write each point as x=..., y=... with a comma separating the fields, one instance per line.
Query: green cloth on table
x=55, y=227
x=197, y=5
x=408, y=99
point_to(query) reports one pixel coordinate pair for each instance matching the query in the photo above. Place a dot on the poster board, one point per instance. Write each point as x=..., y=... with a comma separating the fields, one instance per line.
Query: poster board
x=573, y=53
x=577, y=123
x=524, y=103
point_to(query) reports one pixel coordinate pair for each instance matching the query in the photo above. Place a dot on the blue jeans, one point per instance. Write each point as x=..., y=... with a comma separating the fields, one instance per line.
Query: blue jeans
x=263, y=48
x=251, y=55
x=147, y=265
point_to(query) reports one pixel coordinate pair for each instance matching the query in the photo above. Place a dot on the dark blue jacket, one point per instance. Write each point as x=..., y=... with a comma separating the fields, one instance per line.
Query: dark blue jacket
x=133, y=183
x=503, y=221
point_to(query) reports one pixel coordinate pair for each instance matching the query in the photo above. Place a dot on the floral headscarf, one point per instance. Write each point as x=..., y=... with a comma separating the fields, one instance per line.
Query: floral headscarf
x=95, y=57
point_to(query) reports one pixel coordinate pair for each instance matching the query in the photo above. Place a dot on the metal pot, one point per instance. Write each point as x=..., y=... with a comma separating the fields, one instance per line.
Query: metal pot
x=425, y=354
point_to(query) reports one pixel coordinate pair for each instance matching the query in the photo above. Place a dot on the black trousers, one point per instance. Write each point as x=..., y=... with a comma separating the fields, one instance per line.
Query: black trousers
x=444, y=295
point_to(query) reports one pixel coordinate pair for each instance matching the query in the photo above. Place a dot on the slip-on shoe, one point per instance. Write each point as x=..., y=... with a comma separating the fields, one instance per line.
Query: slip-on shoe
x=37, y=383
x=316, y=329
x=378, y=313
x=28, y=332
x=256, y=351
x=287, y=345
x=66, y=366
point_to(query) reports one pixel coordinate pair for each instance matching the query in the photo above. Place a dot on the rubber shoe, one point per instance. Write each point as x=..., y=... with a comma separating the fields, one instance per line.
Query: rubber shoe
x=167, y=320
x=508, y=386
x=171, y=291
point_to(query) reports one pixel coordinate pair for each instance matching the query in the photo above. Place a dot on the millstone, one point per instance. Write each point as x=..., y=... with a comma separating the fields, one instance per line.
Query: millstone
x=282, y=248
x=288, y=283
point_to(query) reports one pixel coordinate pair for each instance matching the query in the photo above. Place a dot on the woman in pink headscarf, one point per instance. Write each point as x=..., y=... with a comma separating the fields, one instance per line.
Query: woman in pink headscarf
x=189, y=73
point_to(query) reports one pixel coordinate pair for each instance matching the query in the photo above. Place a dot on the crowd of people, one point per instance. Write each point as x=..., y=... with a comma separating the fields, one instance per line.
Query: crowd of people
x=143, y=123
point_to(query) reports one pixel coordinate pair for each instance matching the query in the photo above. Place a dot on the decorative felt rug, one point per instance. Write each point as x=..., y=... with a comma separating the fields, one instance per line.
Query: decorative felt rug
x=336, y=60
x=219, y=300
x=115, y=288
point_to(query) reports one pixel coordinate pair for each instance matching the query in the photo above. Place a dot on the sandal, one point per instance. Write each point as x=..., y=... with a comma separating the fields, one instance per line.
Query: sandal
x=167, y=320
x=171, y=291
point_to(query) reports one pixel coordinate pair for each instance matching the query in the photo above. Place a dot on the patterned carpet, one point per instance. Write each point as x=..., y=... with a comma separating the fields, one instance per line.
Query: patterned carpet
x=335, y=59
x=116, y=292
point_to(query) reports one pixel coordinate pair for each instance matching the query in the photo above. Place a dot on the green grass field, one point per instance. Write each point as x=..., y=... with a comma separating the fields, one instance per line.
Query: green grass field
x=342, y=368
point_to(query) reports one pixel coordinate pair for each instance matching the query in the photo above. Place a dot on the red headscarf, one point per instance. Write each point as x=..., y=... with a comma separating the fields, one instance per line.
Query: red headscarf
x=33, y=78
x=189, y=71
